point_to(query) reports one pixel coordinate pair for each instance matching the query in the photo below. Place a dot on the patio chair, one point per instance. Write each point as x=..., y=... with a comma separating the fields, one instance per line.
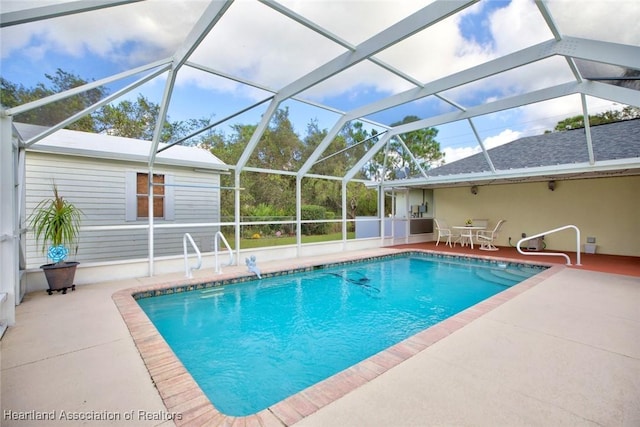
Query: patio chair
x=487, y=237
x=478, y=223
x=444, y=231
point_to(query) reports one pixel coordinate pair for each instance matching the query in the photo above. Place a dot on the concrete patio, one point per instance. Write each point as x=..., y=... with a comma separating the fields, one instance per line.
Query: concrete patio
x=563, y=352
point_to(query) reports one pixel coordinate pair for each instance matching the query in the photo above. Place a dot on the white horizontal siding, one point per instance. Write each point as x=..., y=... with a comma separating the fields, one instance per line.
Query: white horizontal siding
x=130, y=244
x=97, y=187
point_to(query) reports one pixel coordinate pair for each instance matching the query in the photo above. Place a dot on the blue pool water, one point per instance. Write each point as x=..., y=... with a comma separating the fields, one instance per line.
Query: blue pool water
x=253, y=344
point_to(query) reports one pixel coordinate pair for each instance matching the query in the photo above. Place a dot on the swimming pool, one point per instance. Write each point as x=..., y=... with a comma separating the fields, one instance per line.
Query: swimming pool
x=292, y=331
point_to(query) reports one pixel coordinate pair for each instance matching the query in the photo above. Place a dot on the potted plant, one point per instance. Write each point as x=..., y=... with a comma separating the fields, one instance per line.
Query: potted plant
x=57, y=222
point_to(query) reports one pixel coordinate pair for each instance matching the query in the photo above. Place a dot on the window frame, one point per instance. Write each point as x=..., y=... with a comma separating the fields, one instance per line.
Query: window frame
x=132, y=195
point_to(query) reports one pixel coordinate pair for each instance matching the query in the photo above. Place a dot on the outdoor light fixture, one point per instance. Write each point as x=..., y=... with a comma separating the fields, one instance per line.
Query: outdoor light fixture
x=474, y=189
x=551, y=185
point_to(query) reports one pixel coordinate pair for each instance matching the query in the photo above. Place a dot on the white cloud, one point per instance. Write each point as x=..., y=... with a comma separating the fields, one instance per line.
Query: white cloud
x=517, y=26
x=615, y=21
x=456, y=153
x=131, y=34
x=440, y=49
x=452, y=154
x=273, y=50
x=502, y=138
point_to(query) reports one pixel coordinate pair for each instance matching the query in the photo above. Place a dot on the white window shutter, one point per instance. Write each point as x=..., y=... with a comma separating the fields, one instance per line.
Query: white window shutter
x=131, y=201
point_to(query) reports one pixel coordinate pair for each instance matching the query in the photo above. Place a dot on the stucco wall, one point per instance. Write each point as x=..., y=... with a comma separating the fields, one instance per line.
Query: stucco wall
x=605, y=208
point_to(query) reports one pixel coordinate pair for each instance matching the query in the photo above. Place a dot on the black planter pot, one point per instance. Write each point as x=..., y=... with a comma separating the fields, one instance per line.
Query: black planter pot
x=60, y=276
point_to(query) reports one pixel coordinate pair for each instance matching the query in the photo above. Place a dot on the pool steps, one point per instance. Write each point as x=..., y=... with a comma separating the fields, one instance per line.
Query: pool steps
x=212, y=290
x=504, y=276
x=212, y=293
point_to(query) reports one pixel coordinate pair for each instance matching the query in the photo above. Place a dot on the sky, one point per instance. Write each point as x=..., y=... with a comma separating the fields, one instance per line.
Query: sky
x=255, y=43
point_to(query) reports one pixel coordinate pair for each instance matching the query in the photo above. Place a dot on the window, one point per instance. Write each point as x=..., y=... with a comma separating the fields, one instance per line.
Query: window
x=142, y=198
x=137, y=199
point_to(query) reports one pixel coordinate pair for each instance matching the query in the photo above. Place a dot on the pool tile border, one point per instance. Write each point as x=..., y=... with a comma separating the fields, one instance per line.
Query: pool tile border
x=189, y=405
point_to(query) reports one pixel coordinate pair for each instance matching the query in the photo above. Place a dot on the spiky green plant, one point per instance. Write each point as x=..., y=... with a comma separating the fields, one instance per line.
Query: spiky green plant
x=55, y=221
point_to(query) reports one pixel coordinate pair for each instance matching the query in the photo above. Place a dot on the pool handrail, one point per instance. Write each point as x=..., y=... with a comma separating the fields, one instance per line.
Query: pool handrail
x=188, y=271
x=553, y=253
x=219, y=235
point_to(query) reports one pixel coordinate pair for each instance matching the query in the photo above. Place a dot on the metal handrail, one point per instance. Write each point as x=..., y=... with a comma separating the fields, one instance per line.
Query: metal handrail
x=219, y=235
x=188, y=271
x=554, y=253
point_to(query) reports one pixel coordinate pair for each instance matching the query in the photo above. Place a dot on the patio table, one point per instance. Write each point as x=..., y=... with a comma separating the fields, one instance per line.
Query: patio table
x=463, y=236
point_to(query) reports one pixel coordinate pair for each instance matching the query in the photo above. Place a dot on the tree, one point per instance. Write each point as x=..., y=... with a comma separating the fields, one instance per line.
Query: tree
x=396, y=161
x=229, y=148
x=126, y=118
x=279, y=147
x=577, y=122
x=422, y=144
x=51, y=114
x=138, y=120
x=324, y=192
x=360, y=142
x=341, y=155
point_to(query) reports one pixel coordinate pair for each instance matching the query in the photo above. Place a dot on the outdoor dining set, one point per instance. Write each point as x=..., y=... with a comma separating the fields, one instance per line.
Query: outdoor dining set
x=473, y=231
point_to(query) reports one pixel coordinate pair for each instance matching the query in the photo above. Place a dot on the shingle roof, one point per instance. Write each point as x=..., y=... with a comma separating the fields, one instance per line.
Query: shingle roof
x=620, y=140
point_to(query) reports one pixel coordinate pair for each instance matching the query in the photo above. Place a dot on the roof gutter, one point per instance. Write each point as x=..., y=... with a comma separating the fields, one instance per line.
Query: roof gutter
x=138, y=158
x=606, y=167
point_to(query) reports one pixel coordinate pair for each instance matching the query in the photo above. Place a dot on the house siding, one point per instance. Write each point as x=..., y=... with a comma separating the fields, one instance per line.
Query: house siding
x=98, y=187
